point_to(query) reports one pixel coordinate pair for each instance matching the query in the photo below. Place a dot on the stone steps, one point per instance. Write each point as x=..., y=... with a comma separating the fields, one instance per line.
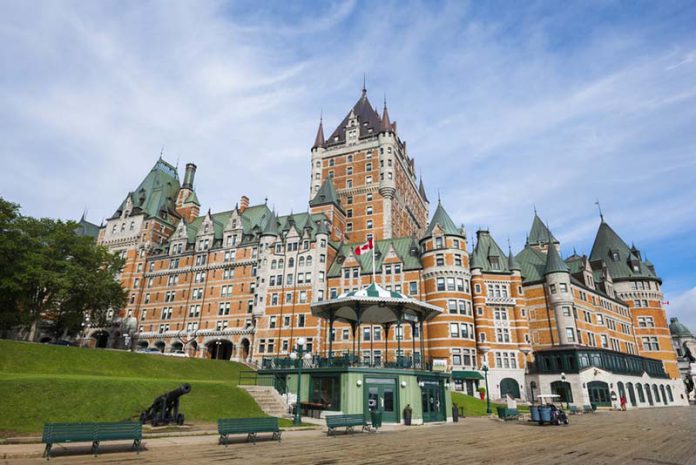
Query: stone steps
x=268, y=399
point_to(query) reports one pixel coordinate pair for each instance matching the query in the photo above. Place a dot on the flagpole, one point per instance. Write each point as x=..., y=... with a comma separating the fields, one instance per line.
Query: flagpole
x=374, y=278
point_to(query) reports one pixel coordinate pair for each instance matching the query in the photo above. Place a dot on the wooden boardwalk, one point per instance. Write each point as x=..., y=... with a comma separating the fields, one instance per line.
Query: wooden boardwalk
x=660, y=436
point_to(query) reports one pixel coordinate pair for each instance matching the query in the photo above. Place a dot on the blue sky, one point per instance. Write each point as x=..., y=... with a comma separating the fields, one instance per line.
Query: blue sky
x=504, y=105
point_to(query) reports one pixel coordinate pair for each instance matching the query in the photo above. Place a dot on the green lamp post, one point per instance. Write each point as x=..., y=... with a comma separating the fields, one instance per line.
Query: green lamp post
x=488, y=395
x=300, y=356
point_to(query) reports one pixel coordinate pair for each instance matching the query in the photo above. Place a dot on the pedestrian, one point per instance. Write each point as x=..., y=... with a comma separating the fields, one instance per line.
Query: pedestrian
x=623, y=403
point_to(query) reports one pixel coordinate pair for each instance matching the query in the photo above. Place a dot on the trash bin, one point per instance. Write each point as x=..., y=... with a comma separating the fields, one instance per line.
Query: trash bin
x=376, y=418
x=502, y=412
x=534, y=411
x=544, y=415
x=455, y=413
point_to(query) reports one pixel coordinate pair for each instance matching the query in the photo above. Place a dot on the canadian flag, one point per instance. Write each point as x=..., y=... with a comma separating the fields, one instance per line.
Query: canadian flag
x=359, y=250
x=666, y=302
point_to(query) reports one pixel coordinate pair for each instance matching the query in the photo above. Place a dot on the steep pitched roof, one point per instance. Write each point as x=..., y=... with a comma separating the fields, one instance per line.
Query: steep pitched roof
x=421, y=190
x=532, y=264
x=402, y=247
x=442, y=219
x=609, y=248
x=85, y=228
x=365, y=113
x=326, y=195
x=513, y=264
x=539, y=234
x=554, y=262
x=488, y=256
x=319, y=140
x=193, y=198
x=156, y=193
x=271, y=228
x=677, y=328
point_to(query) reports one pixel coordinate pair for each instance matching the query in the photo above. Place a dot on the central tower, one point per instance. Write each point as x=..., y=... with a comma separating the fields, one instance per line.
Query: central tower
x=373, y=175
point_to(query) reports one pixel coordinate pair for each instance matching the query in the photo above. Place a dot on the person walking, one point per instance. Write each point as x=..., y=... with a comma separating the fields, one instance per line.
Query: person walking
x=623, y=403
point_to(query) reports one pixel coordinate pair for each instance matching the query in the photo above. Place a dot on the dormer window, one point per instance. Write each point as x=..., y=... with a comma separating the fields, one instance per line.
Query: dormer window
x=615, y=255
x=495, y=263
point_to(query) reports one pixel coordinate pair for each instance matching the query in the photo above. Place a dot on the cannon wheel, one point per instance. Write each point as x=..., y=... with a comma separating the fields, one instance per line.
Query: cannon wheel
x=180, y=419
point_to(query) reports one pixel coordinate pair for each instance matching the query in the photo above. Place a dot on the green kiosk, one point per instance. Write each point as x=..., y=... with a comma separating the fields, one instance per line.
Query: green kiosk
x=348, y=383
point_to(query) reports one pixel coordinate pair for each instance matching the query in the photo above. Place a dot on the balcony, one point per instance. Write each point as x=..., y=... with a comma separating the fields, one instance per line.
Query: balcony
x=401, y=362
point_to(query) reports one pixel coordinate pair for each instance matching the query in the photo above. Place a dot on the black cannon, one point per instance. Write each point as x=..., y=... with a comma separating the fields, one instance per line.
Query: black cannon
x=165, y=408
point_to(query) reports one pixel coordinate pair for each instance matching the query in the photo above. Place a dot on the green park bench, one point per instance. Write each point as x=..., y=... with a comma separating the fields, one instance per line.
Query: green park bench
x=55, y=433
x=573, y=409
x=249, y=426
x=347, y=422
x=505, y=413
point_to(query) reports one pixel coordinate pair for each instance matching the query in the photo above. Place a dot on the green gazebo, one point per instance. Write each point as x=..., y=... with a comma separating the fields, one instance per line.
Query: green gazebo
x=348, y=384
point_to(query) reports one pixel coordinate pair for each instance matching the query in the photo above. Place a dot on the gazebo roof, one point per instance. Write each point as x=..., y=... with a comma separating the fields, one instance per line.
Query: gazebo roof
x=375, y=305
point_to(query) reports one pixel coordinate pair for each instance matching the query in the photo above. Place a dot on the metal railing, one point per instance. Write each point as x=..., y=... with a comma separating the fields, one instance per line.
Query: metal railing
x=345, y=361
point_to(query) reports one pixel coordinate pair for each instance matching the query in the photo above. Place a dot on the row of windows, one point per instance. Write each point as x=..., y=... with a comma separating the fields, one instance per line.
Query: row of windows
x=301, y=297
x=278, y=264
x=452, y=284
x=268, y=345
x=463, y=307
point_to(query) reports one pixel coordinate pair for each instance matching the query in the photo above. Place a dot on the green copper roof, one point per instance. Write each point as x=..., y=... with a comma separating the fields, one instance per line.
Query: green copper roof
x=618, y=257
x=85, y=228
x=442, y=219
x=676, y=328
x=554, y=262
x=403, y=247
x=539, y=234
x=326, y=195
x=156, y=194
x=532, y=263
x=513, y=264
x=488, y=256
x=271, y=228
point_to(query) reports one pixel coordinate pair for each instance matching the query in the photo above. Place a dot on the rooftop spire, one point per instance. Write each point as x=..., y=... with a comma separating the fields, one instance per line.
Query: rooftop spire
x=364, y=88
x=386, y=124
x=319, y=140
x=599, y=207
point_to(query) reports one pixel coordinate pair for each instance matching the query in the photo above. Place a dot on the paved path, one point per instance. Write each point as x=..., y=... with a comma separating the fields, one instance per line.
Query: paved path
x=661, y=436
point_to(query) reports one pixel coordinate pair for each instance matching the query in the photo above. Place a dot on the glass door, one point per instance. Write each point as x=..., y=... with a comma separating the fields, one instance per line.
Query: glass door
x=432, y=402
x=381, y=397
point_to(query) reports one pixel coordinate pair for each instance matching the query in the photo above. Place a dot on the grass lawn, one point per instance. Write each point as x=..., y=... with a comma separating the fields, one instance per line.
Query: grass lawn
x=475, y=407
x=43, y=383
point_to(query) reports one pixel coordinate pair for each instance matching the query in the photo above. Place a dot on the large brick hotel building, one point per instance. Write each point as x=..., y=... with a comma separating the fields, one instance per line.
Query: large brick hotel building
x=238, y=284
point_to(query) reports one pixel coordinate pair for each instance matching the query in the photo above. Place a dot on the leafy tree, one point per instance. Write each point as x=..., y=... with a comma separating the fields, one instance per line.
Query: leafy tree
x=52, y=276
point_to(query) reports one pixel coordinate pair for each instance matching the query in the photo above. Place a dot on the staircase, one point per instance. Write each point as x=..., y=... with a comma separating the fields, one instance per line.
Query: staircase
x=269, y=400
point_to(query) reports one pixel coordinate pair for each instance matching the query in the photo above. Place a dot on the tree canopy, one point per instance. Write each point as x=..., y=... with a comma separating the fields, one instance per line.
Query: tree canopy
x=51, y=278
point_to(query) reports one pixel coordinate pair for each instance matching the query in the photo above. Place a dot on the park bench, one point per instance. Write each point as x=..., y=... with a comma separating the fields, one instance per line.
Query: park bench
x=505, y=413
x=345, y=421
x=249, y=426
x=95, y=433
x=573, y=409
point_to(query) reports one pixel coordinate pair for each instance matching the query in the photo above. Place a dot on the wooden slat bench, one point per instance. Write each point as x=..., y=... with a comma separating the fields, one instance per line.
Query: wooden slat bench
x=345, y=421
x=95, y=433
x=249, y=426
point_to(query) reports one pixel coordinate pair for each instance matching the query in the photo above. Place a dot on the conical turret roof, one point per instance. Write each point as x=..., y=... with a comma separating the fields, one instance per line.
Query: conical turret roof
x=271, y=228
x=319, y=140
x=442, y=219
x=617, y=255
x=554, y=263
x=540, y=234
x=365, y=113
x=326, y=195
x=677, y=328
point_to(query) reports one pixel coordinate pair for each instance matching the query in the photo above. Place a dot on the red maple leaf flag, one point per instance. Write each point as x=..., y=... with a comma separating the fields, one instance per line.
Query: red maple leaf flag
x=359, y=250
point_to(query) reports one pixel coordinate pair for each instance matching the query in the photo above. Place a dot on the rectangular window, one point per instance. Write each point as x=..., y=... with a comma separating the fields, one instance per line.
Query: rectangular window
x=570, y=334
x=440, y=284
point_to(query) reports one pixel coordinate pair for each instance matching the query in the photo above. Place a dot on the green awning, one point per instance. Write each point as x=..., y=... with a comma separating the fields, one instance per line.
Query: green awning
x=466, y=374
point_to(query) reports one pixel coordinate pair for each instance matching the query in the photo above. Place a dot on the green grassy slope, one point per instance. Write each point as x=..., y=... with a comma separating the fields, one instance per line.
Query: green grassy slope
x=42, y=383
x=475, y=407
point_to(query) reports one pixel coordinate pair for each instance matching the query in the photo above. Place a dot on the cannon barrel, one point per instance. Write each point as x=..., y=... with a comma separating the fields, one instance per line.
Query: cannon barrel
x=178, y=392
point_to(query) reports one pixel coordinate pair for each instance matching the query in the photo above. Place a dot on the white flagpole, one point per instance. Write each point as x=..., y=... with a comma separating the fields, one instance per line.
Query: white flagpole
x=374, y=278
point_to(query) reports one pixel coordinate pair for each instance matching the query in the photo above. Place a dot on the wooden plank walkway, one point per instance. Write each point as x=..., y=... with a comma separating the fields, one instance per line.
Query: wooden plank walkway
x=663, y=436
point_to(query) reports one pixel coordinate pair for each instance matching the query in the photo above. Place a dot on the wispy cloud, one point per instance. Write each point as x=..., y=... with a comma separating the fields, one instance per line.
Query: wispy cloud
x=503, y=106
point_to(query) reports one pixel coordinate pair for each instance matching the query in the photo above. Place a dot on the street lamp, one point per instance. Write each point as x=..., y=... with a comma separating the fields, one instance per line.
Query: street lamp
x=488, y=395
x=300, y=355
x=566, y=387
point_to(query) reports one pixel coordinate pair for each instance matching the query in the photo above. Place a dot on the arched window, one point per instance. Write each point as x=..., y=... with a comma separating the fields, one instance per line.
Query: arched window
x=274, y=263
x=291, y=262
x=669, y=393
x=280, y=264
x=309, y=261
x=641, y=396
x=300, y=261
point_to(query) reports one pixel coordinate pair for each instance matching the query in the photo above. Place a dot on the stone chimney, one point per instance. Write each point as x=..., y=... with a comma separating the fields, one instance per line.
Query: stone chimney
x=243, y=203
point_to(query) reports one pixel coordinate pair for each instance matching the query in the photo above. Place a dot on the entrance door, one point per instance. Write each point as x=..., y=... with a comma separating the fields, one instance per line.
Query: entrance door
x=599, y=393
x=432, y=401
x=631, y=394
x=509, y=386
x=382, y=397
